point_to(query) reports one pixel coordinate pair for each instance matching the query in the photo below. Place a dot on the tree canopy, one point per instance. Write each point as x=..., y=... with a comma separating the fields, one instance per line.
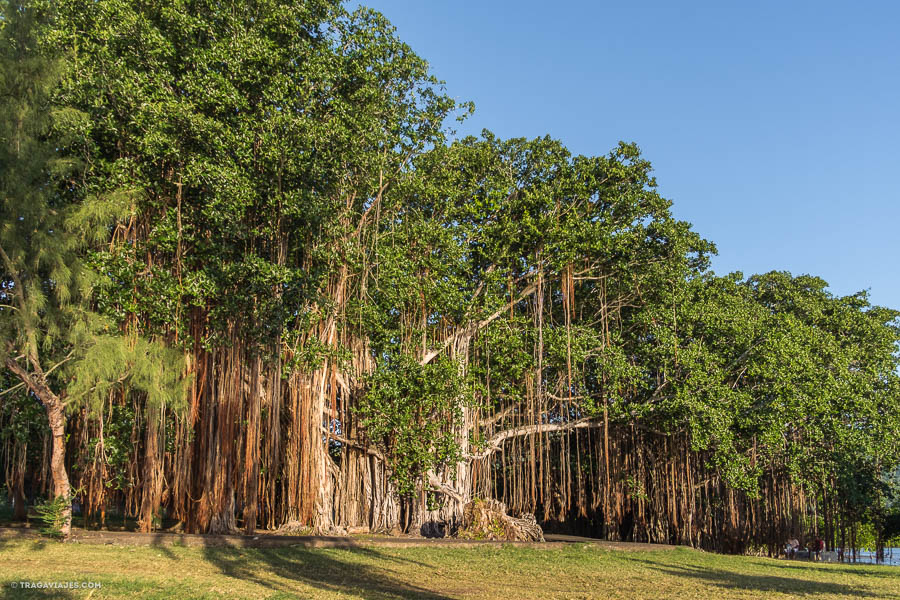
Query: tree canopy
x=283, y=291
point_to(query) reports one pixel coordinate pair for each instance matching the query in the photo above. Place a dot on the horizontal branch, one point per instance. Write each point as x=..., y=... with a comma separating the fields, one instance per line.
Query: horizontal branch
x=435, y=482
x=497, y=417
x=496, y=441
x=433, y=479
x=367, y=449
x=570, y=398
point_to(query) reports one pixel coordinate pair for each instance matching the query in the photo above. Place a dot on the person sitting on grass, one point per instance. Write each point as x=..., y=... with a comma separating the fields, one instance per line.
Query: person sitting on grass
x=791, y=548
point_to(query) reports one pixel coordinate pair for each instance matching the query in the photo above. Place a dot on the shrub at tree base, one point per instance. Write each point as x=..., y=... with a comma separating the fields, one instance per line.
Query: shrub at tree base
x=487, y=520
x=54, y=515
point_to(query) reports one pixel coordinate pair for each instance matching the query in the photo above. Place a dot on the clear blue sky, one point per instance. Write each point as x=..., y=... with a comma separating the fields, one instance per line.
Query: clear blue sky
x=774, y=127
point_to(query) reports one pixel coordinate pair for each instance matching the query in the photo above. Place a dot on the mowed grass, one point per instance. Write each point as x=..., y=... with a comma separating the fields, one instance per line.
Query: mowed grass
x=578, y=571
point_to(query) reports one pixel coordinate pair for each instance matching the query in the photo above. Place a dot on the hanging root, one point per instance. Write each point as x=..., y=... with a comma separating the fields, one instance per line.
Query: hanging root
x=223, y=525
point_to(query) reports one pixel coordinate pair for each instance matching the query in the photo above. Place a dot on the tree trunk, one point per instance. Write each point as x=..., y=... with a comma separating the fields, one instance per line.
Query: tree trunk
x=61, y=487
x=18, y=488
x=151, y=490
x=56, y=417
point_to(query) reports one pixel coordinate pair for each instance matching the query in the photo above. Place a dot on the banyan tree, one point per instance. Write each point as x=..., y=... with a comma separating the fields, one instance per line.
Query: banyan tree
x=377, y=322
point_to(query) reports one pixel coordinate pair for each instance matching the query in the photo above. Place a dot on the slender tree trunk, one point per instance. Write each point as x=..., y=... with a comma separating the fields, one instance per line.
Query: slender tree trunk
x=56, y=417
x=18, y=486
x=151, y=488
x=61, y=487
x=251, y=450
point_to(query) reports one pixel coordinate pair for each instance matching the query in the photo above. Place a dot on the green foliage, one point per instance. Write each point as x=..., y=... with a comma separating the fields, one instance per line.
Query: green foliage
x=635, y=488
x=241, y=159
x=277, y=174
x=45, y=227
x=117, y=447
x=410, y=411
x=22, y=418
x=41, y=274
x=52, y=515
x=133, y=362
x=774, y=372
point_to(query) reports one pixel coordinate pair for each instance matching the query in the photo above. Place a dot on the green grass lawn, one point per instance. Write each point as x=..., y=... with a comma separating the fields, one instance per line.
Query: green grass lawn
x=432, y=573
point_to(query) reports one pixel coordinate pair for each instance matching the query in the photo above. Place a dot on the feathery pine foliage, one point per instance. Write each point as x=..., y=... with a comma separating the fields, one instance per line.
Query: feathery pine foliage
x=47, y=285
x=63, y=352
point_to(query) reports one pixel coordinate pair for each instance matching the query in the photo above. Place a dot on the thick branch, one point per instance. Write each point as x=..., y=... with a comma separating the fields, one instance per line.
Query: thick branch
x=496, y=441
x=435, y=482
x=473, y=328
x=35, y=383
x=498, y=416
x=367, y=449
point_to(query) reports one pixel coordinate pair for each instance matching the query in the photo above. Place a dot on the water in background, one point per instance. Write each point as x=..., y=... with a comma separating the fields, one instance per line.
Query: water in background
x=891, y=557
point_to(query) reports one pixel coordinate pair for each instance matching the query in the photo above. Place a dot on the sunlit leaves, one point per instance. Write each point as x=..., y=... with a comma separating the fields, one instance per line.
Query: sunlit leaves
x=409, y=411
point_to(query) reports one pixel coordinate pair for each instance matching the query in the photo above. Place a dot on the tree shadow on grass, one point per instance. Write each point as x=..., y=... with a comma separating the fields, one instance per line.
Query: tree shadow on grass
x=161, y=542
x=868, y=570
x=796, y=587
x=15, y=592
x=282, y=569
x=10, y=535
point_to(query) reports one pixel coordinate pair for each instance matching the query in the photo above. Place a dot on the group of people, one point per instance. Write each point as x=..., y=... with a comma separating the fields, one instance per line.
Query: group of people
x=815, y=548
